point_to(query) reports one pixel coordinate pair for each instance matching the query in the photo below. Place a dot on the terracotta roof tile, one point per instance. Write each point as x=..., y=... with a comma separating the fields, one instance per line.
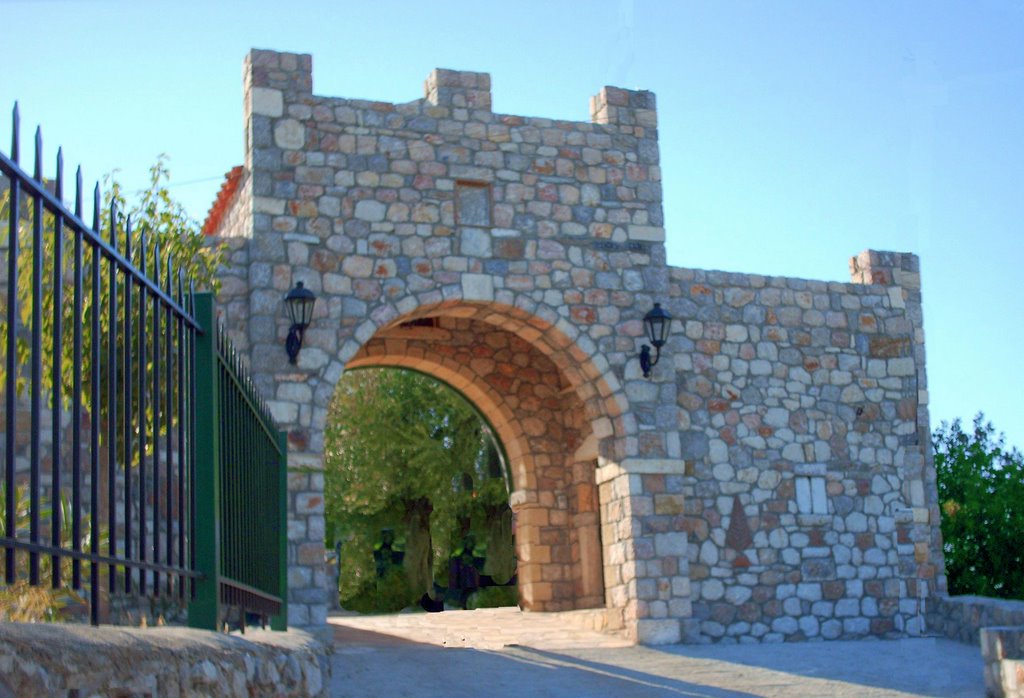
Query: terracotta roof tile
x=220, y=204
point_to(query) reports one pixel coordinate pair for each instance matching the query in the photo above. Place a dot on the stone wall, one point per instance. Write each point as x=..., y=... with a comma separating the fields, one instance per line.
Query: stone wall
x=53, y=659
x=961, y=618
x=804, y=497
x=772, y=480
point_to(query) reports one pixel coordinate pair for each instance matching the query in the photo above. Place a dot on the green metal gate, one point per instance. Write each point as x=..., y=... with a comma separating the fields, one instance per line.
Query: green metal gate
x=241, y=463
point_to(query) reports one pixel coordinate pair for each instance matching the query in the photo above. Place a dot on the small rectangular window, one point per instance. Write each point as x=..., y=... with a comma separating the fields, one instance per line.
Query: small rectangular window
x=473, y=203
x=811, y=497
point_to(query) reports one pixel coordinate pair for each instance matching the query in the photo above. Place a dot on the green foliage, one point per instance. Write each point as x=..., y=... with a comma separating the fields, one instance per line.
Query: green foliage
x=981, y=493
x=405, y=452
x=171, y=235
x=386, y=594
x=493, y=597
x=20, y=602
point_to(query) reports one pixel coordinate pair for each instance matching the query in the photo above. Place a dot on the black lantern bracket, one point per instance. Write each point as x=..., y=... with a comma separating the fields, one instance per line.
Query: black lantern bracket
x=299, y=303
x=657, y=323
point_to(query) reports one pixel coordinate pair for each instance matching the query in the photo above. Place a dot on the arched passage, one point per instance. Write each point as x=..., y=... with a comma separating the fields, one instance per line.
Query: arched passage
x=545, y=427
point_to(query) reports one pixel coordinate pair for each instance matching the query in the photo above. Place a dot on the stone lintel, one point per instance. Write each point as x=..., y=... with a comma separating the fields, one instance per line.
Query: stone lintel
x=639, y=466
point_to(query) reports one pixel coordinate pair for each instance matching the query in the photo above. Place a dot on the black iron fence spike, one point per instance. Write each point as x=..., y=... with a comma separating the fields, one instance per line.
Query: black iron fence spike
x=15, y=127
x=39, y=155
x=96, y=212
x=95, y=206
x=78, y=191
x=59, y=180
x=156, y=261
x=113, y=224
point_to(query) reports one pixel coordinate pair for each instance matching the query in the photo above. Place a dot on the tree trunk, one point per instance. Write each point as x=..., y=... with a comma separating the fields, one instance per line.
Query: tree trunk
x=418, y=561
x=501, y=552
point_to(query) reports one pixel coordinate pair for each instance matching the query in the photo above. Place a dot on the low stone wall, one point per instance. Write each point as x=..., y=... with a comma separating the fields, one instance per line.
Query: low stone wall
x=1002, y=649
x=962, y=617
x=45, y=659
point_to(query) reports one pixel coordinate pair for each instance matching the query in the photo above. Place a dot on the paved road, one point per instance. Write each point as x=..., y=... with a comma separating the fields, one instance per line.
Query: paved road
x=374, y=663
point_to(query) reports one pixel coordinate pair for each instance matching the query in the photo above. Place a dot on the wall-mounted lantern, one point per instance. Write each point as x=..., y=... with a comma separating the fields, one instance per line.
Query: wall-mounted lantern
x=657, y=323
x=299, y=302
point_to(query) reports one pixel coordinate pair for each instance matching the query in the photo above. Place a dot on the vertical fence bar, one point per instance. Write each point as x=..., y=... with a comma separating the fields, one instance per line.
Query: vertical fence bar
x=56, y=412
x=223, y=455
x=112, y=396
x=280, y=490
x=233, y=471
x=128, y=334
x=95, y=416
x=169, y=417
x=182, y=448
x=192, y=434
x=76, y=416
x=157, y=404
x=37, y=366
x=204, y=611
x=142, y=359
x=11, y=377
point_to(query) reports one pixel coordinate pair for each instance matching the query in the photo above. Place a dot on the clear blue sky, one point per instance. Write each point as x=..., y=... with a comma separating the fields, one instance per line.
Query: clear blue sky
x=793, y=134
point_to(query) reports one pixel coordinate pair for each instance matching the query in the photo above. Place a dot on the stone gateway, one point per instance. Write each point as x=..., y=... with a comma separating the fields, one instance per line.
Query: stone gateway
x=772, y=479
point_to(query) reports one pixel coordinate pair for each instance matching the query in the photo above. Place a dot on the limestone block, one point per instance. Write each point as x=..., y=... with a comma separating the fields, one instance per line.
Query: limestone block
x=651, y=631
x=289, y=134
x=670, y=544
x=267, y=101
x=370, y=210
x=479, y=287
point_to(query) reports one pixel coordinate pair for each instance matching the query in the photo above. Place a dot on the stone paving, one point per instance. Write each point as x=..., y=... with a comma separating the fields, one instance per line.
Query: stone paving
x=490, y=628
x=547, y=655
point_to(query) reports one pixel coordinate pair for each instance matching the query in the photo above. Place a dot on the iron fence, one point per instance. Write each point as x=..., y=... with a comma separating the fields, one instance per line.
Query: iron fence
x=106, y=415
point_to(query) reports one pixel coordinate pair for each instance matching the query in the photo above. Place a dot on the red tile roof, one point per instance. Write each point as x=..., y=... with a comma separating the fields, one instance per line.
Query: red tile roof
x=220, y=204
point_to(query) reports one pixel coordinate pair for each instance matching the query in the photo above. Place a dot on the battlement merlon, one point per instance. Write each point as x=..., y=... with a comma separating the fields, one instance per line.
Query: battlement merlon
x=886, y=268
x=614, y=105
x=291, y=73
x=270, y=75
x=460, y=89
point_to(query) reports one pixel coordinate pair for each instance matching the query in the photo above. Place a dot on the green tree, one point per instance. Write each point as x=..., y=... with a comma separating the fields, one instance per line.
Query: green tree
x=172, y=236
x=981, y=493
x=405, y=452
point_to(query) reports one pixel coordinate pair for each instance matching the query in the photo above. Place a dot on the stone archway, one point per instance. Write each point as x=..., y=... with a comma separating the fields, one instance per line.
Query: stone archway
x=542, y=422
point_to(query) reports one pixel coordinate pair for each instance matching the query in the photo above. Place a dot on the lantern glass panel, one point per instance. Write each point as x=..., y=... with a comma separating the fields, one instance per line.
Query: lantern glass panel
x=306, y=311
x=657, y=323
x=299, y=302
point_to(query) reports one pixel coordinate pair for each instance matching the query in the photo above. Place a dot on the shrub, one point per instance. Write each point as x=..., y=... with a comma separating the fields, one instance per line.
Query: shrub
x=981, y=494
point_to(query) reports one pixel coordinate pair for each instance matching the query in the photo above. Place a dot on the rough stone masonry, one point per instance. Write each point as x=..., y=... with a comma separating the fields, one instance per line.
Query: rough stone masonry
x=771, y=481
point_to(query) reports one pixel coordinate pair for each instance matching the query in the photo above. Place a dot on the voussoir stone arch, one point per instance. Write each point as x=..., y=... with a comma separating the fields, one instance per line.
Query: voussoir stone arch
x=583, y=366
